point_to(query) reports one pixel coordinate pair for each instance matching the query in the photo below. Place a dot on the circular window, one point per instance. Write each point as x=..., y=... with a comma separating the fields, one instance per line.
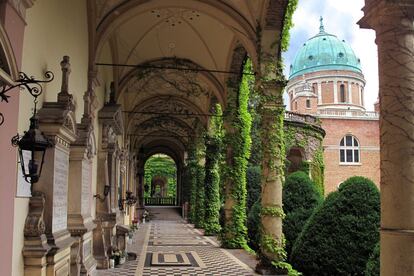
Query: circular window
x=310, y=57
x=341, y=55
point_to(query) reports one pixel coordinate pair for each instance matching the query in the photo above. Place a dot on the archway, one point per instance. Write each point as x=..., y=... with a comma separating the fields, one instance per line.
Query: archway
x=160, y=181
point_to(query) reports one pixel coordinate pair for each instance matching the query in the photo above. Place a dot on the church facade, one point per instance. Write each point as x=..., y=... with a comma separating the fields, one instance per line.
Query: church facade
x=326, y=81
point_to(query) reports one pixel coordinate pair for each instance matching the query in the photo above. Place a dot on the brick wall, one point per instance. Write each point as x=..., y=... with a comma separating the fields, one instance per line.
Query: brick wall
x=367, y=133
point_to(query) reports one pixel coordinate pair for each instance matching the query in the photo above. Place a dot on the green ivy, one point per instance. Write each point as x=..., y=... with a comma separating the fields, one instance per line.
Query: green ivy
x=213, y=143
x=200, y=198
x=299, y=137
x=288, y=24
x=235, y=231
x=273, y=211
x=192, y=176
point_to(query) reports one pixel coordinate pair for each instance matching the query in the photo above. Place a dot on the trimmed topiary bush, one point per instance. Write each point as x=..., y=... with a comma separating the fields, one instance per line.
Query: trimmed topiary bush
x=300, y=198
x=340, y=236
x=373, y=264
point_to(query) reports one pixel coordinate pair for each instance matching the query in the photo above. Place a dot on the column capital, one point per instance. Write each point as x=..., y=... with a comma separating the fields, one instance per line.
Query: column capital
x=384, y=16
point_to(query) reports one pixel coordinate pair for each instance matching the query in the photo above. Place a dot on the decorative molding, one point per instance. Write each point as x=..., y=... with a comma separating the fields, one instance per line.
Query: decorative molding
x=34, y=225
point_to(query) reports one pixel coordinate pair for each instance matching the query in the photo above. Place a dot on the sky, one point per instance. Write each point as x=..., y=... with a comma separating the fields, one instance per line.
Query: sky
x=340, y=18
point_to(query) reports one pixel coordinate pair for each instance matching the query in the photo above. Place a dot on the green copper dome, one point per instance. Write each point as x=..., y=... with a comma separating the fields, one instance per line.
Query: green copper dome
x=324, y=52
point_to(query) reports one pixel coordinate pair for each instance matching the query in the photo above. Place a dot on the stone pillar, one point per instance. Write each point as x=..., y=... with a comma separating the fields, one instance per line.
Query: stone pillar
x=139, y=207
x=335, y=91
x=54, y=185
x=80, y=222
x=393, y=22
x=110, y=118
x=57, y=120
x=272, y=112
x=320, y=99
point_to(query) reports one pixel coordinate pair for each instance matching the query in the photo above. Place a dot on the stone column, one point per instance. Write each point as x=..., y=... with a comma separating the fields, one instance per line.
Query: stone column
x=272, y=111
x=110, y=119
x=393, y=22
x=80, y=222
x=139, y=207
x=349, y=91
x=335, y=91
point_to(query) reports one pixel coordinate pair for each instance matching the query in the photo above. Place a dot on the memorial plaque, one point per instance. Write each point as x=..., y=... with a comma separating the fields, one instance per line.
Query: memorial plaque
x=87, y=246
x=86, y=190
x=60, y=191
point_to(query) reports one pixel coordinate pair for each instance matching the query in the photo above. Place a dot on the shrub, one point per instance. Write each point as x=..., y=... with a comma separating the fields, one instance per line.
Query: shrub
x=253, y=185
x=340, y=236
x=300, y=198
x=253, y=225
x=373, y=264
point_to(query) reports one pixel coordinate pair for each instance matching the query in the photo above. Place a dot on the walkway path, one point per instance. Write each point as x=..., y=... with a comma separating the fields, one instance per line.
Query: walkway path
x=168, y=246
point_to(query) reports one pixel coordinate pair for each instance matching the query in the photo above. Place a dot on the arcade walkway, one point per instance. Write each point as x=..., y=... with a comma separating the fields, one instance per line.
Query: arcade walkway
x=168, y=246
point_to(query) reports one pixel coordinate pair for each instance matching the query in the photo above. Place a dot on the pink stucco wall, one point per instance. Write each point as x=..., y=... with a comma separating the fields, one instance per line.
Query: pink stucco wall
x=14, y=26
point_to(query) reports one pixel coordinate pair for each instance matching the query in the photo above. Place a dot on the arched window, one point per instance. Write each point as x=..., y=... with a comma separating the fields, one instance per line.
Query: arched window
x=342, y=97
x=349, y=150
x=308, y=103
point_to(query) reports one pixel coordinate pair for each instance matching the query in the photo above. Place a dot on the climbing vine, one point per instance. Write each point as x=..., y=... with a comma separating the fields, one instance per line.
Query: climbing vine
x=288, y=24
x=192, y=179
x=196, y=154
x=235, y=231
x=296, y=136
x=213, y=143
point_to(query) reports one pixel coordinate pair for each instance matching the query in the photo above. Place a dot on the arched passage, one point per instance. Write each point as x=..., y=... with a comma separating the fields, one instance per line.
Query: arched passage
x=160, y=181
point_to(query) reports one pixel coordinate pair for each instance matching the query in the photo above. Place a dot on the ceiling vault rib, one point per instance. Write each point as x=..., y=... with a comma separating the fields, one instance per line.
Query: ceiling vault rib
x=174, y=68
x=173, y=113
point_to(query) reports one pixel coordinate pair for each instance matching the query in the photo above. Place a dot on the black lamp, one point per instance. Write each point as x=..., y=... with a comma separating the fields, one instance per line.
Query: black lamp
x=107, y=189
x=33, y=146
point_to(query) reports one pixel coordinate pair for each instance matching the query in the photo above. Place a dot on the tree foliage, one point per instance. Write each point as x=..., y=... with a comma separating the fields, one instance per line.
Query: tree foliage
x=300, y=198
x=373, y=264
x=340, y=236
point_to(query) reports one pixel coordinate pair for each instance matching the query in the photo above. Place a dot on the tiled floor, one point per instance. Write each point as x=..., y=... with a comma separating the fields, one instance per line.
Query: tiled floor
x=167, y=246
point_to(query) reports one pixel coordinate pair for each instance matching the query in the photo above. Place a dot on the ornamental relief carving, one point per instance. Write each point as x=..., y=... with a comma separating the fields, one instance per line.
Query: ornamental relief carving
x=34, y=225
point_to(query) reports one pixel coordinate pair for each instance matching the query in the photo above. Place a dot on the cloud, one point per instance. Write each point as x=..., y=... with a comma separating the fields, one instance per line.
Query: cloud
x=340, y=19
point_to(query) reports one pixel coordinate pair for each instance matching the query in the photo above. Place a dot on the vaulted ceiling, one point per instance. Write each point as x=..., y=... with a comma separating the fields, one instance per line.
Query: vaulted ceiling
x=195, y=39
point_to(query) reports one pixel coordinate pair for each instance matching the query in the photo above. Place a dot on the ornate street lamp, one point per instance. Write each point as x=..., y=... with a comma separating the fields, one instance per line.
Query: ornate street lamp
x=32, y=148
x=33, y=144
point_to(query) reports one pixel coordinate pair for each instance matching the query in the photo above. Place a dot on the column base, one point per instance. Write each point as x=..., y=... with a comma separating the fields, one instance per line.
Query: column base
x=397, y=249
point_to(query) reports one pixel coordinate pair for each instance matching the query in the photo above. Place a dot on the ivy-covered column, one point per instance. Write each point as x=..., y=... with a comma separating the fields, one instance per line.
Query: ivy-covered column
x=196, y=175
x=213, y=143
x=237, y=124
x=272, y=241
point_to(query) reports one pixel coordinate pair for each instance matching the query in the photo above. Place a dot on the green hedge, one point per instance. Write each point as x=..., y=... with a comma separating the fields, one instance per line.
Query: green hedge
x=373, y=264
x=254, y=185
x=340, y=236
x=300, y=198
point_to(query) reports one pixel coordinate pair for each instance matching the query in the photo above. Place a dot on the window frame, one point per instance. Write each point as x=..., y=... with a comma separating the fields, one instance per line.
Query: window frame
x=354, y=148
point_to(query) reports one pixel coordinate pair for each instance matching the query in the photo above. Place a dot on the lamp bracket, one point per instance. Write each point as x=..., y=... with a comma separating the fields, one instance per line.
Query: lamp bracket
x=32, y=85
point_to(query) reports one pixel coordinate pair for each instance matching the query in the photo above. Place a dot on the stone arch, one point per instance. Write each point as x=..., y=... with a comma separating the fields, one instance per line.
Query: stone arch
x=8, y=63
x=296, y=157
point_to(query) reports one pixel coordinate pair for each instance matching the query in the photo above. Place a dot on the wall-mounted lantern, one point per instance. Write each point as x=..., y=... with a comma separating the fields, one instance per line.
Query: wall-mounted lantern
x=33, y=144
x=107, y=189
x=32, y=148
